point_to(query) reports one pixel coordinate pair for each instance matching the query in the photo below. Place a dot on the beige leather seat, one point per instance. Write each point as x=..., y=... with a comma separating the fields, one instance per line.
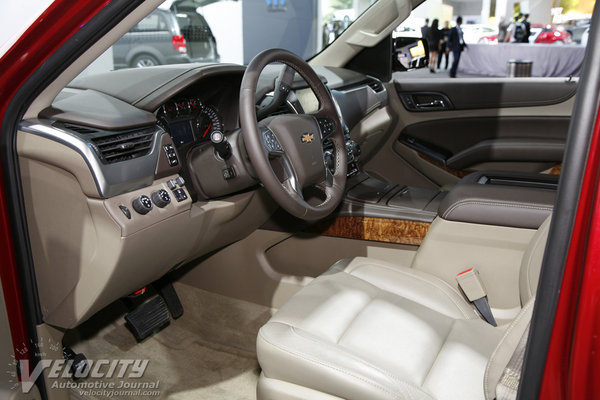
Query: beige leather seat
x=367, y=329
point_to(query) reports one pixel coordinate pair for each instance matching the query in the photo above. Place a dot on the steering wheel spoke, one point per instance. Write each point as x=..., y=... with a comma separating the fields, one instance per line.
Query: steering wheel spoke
x=270, y=143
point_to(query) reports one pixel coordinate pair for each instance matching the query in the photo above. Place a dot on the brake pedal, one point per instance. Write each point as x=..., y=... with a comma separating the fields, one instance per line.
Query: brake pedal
x=148, y=318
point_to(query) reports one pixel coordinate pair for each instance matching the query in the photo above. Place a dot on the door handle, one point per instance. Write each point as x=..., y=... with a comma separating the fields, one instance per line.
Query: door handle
x=425, y=101
x=432, y=104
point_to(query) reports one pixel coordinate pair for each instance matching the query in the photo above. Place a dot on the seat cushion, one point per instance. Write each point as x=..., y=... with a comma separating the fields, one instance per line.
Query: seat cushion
x=368, y=329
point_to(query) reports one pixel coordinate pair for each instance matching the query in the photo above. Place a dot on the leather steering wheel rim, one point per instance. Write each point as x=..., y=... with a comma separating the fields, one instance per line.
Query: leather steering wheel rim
x=333, y=184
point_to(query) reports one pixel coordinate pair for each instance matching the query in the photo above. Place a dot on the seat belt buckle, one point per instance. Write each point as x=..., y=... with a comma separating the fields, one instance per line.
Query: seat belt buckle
x=471, y=285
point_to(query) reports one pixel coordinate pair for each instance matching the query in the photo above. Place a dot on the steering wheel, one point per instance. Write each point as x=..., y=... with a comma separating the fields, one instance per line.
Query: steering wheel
x=295, y=139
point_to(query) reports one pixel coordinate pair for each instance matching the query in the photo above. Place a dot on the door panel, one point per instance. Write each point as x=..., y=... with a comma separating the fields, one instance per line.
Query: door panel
x=507, y=124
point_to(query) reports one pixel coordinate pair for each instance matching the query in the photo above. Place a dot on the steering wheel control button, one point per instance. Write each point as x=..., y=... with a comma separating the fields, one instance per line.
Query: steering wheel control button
x=171, y=155
x=327, y=126
x=142, y=205
x=172, y=184
x=220, y=144
x=161, y=198
x=125, y=211
x=228, y=173
x=271, y=142
x=180, y=181
x=180, y=195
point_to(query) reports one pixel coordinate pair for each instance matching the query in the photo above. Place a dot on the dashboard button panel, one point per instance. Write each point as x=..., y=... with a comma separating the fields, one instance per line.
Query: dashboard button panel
x=171, y=155
x=180, y=195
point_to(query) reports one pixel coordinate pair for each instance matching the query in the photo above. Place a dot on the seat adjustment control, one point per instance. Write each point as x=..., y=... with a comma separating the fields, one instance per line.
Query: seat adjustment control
x=161, y=198
x=142, y=205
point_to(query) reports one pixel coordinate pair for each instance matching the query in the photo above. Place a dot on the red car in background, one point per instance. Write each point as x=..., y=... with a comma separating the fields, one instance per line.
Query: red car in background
x=540, y=33
x=548, y=34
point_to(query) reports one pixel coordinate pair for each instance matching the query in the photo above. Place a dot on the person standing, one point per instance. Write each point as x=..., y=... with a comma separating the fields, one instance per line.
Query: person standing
x=527, y=26
x=444, y=50
x=456, y=44
x=434, y=38
x=425, y=31
x=516, y=31
x=502, y=29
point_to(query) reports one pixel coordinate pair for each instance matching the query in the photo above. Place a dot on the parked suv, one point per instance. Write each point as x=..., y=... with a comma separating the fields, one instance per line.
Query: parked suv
x=167, y=37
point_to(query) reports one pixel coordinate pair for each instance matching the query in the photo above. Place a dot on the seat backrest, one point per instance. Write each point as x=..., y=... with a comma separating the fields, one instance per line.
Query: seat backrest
x=498, y=368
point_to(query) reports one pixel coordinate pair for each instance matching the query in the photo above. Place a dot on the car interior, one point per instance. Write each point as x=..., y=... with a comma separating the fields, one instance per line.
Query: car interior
x=292, y=229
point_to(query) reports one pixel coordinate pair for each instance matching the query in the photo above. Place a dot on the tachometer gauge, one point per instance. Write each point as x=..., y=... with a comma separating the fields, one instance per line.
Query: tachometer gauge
x=181, y=107
x=194, y=105
x=207, y=122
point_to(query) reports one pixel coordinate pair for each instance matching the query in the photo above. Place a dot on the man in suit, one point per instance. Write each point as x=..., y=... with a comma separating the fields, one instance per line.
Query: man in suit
x=425, y=31
x=456, y=44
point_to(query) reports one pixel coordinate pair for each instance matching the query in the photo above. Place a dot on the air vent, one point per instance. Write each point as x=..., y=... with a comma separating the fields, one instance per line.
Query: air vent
x=124, y=146
x=376, y=85
x=80, y=129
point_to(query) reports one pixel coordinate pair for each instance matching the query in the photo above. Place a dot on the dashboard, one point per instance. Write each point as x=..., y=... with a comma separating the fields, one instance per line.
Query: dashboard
x=151, y=163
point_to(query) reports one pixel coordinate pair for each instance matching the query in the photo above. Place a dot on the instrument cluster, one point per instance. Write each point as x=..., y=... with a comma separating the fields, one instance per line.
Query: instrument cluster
x=189, y=121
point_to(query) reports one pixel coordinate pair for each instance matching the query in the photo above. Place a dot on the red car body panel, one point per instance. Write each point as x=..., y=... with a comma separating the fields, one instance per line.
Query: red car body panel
x=54, y=26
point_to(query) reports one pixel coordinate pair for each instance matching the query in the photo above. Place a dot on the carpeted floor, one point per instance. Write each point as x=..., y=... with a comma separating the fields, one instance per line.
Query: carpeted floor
x=208, y=353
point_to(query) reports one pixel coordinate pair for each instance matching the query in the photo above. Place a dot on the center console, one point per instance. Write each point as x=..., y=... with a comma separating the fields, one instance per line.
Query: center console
x=503, y=198
x=369, y=197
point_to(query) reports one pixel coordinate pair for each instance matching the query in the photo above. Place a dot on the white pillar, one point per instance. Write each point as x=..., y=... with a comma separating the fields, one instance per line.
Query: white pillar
x=539, y=11
x=501, y=10
x=485, y=11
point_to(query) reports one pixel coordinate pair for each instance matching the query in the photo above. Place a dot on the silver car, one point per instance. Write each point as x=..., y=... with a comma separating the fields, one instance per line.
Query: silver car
x=174, y=36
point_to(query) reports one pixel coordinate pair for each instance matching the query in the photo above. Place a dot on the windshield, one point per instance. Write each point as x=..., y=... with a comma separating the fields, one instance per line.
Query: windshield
x=229, y=31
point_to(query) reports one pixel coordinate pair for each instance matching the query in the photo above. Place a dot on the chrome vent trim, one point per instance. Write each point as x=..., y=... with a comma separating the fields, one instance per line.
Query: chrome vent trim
x=111, y=179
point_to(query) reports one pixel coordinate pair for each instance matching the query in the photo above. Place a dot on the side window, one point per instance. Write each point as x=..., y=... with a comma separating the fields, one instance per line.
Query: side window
x=153, y=22
x=483, y=38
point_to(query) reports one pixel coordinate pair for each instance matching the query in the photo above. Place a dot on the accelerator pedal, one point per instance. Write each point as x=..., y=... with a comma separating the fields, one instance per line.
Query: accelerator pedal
x=148, y=318
x=169, y=295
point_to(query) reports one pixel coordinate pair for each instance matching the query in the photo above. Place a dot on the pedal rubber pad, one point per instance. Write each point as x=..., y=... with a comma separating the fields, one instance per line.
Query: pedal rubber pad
x=148, y=318
x=171, y=299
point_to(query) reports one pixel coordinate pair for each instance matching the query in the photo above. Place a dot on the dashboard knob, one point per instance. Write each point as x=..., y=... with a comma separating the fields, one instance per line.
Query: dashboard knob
x=142, y=205
x=221, y=145
x=160, y=198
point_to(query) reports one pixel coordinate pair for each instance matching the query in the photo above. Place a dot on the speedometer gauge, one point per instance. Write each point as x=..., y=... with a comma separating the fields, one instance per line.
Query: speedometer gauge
x=207, y=122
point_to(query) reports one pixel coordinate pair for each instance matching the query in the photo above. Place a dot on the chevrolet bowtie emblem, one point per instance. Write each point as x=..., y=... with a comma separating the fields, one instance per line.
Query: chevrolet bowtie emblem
x=307, y=138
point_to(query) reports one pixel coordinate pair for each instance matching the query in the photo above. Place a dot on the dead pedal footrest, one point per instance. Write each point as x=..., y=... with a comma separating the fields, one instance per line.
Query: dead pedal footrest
x=148, y=318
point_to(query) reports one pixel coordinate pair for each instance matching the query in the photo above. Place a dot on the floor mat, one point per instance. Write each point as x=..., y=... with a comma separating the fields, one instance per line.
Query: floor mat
x=209, y=353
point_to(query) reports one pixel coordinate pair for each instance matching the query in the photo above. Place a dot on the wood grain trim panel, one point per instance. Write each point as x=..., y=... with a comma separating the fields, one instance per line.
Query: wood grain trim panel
x=455, y=172
x=374, y=229
x=556, y=169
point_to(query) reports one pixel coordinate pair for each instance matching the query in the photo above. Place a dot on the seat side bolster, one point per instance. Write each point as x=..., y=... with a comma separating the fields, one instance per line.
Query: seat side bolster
x=505, y=349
